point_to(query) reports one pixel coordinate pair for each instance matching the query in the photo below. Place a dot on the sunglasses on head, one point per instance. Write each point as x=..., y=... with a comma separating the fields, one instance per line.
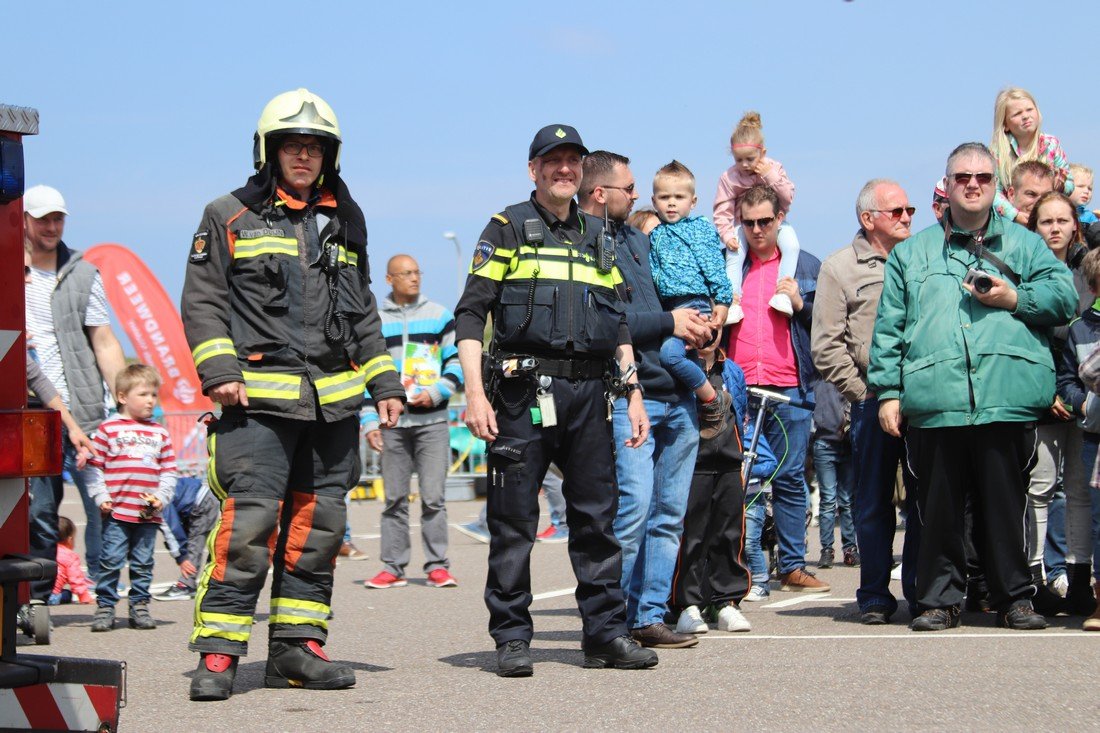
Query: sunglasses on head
x=983, y=179
x=763, y=222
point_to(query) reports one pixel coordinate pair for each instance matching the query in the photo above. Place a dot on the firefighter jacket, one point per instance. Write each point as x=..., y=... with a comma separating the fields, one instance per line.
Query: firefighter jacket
x=261, y=277
x=549, y=298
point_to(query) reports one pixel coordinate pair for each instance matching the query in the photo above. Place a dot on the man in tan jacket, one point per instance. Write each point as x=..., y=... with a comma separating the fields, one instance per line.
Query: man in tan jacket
x=848, y=291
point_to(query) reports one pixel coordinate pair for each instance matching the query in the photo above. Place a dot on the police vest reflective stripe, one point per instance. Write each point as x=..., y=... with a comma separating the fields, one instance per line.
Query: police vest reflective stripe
x=295, y=611
x=573, y=309
x=245, y=248
x=212, y=348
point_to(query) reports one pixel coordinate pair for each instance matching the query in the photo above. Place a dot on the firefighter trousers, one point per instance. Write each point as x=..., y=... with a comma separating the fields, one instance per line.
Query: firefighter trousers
x=281, y=483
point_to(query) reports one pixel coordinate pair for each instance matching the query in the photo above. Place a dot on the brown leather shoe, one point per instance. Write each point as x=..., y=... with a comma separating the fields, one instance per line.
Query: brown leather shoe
x=351, y=552
x=660, y=636
x=802, y=580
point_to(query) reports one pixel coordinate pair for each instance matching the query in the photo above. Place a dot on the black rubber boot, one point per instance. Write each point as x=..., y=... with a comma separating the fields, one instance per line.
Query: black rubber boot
x=1080, y=600
x=1045, y=602
x=302, y=663
x=213, y=679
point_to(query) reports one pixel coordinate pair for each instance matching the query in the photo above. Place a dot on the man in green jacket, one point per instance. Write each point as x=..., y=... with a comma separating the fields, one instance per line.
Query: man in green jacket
x=965, y=358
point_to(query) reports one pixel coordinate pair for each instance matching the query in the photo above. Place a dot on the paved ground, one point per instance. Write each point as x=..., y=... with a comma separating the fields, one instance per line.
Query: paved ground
x=424, y=662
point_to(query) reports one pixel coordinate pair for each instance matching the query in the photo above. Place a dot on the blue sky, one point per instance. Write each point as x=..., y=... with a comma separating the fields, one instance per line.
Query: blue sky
x=147, y=112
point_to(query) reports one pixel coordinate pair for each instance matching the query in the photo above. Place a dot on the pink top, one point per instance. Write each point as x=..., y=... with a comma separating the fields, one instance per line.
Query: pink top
x=732, y=186
x=761, y=343
x=71, y=574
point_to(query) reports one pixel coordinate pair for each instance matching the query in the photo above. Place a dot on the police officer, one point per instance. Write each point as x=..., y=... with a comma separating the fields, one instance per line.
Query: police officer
x=543, y=271
x=285, y=335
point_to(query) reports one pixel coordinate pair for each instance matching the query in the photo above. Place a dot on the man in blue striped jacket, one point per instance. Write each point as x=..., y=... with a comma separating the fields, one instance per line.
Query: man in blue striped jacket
x=420, y=336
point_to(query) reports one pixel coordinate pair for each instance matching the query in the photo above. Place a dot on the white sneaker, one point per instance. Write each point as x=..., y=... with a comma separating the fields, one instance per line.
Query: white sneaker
x=735, y=315
x=691, y=622
x=782, y=303
x=756, y=594
x=895, y=574
x=1060, y=585
x=730, y=618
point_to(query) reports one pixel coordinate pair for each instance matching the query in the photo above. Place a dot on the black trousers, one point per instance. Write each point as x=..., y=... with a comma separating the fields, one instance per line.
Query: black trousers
x=581, y=445
x=711, y=567
x=993, y=462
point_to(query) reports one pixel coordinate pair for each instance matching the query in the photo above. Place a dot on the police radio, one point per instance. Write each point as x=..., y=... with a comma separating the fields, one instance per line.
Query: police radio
x=533, y=232
x=605, y=247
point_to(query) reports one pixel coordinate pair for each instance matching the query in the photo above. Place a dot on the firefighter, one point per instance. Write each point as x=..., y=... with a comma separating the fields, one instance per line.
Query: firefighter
x=285, y=336
x=547, y=275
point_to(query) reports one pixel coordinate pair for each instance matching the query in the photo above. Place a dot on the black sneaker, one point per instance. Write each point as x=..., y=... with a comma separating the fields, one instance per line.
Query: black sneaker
x=714, y=416
x=826, y=560
x=514, y=659
x=104, y=619
x=1021, y=616
x=851, y=557
x=178, y=592
x=875, y=616
x=620, y=653
x=936, y=619
x=140, y=618
x=302, y=663
x=213, y=680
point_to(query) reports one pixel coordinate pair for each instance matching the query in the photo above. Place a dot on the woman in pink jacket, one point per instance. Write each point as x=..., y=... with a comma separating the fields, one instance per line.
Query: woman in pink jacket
x=752, y=167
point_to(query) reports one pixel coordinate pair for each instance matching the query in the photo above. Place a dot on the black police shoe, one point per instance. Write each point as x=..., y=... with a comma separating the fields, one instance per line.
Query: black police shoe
x=1022, y=617
x=619, y=653
x=514, y=659
x=302, y=663
x=213, y=680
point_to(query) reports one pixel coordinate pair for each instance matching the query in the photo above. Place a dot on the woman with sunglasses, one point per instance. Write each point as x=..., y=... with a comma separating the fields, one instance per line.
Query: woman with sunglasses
x=1067, y=438
x=1018, y=136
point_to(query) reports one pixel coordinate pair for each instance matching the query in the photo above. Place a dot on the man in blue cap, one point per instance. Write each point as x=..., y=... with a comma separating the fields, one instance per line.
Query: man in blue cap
x=547, y=275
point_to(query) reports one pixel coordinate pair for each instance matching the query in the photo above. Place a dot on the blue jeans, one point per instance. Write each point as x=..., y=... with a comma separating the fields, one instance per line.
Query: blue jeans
x=1089, y=449
x=755, y=511
x=654, y=481
x=46, y=496
x=876, y=456
x=674, y=358
x=126, y=542
x=789, y=492
x=833, y=464
x=1054, y=546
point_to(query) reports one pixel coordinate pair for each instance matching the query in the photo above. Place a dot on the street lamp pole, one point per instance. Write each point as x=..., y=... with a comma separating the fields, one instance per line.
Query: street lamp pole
x=458, y=254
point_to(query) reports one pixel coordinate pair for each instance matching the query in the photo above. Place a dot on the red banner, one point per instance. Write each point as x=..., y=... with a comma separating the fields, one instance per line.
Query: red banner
x=153, y=325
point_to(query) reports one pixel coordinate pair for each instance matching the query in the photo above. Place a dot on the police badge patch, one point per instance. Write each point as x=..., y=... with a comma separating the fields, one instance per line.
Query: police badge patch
x=482, y=254
x=199, y=252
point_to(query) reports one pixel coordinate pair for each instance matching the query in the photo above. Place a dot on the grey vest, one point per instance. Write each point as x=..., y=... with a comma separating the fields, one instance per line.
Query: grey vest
x=69, y=304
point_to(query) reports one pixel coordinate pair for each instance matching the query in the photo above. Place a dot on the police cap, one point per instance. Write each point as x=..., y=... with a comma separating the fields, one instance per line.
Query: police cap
x=551, y=137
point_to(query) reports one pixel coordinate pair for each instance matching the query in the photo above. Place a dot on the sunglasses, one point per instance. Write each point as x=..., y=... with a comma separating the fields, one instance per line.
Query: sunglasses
x=629, y=189
x=895, y=214
x=983, y=179
x=763, y=223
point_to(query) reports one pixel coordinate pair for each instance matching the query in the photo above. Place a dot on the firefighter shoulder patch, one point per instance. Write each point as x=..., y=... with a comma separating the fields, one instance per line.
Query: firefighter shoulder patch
x=200, y=249
x=482, y=254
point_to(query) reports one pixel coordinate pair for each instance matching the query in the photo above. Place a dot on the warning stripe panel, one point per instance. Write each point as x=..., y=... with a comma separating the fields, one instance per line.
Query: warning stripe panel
x=58, y=706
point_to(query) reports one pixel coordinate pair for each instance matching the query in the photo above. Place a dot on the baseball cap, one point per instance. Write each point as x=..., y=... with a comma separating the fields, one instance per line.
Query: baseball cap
x=553, y=136
x=939, y=191
x=41, y=200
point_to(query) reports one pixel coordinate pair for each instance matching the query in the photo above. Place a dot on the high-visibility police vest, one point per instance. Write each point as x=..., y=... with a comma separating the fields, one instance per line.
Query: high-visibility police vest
x=573, y=310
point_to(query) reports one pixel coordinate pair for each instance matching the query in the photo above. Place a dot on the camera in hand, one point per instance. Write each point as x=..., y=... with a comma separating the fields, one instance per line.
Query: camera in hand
x=982, y=282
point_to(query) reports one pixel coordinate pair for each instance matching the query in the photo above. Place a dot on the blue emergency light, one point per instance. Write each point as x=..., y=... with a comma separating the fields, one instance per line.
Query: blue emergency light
x=11, y=169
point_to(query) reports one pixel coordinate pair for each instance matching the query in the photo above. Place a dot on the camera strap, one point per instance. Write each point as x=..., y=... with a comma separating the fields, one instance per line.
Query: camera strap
x=976, y=249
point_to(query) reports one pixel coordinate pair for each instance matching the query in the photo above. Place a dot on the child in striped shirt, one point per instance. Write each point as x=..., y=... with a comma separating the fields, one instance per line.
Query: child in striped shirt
x=134, y=472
